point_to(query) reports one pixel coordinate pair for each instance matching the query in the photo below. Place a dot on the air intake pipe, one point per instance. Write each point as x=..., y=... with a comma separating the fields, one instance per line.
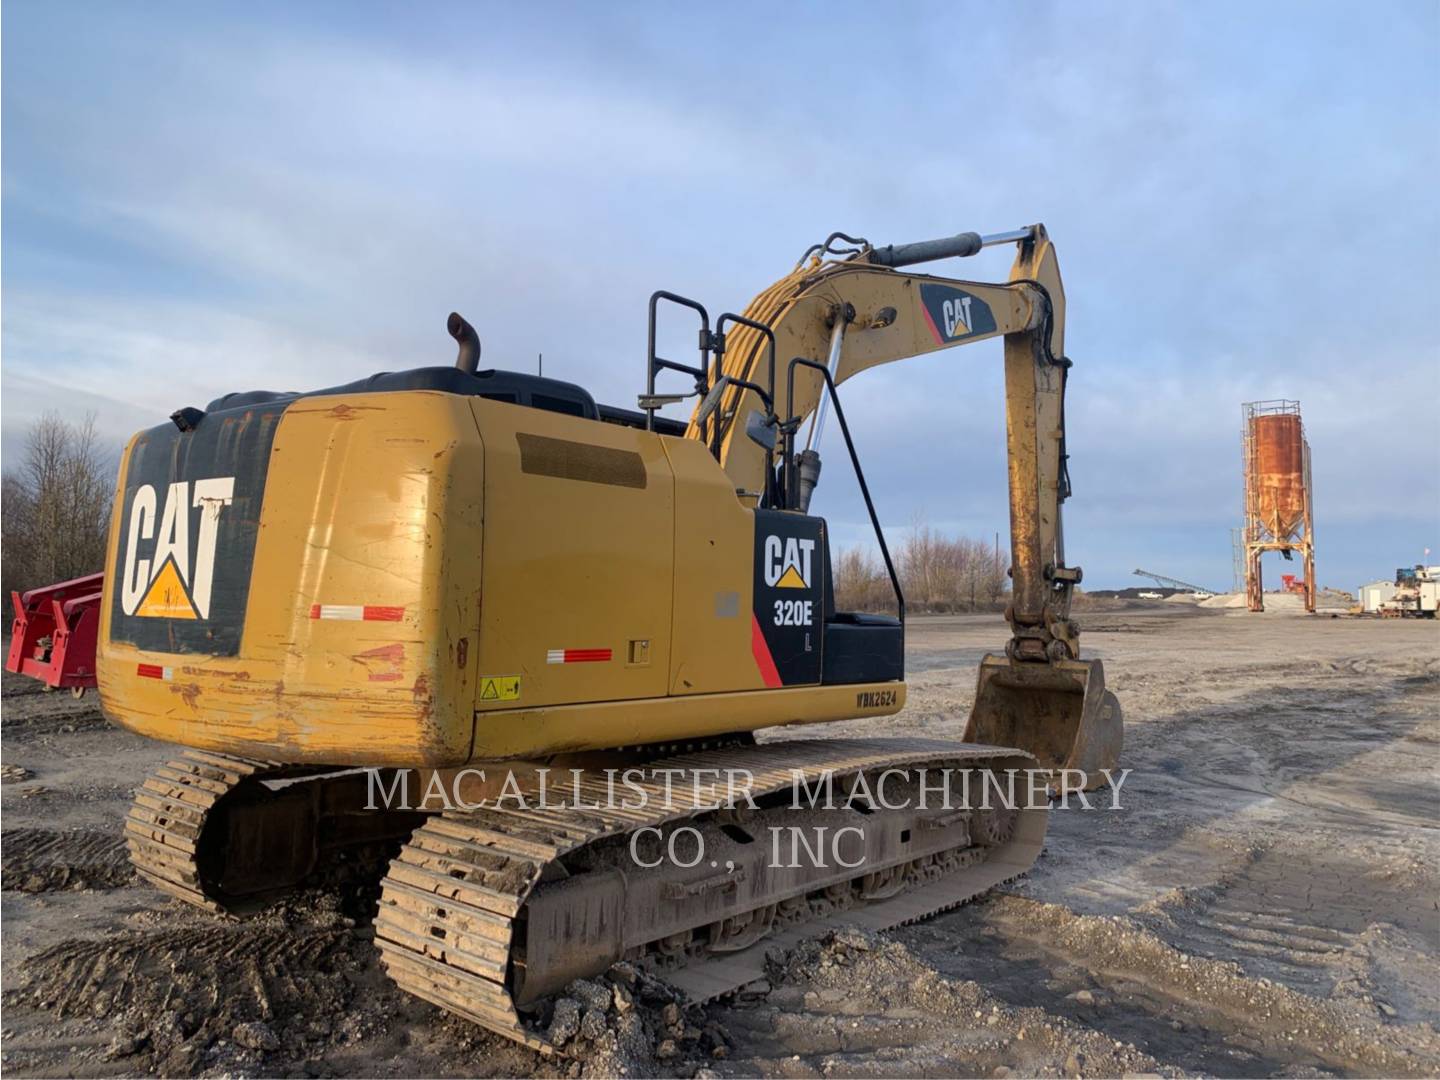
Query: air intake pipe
x=468, y=359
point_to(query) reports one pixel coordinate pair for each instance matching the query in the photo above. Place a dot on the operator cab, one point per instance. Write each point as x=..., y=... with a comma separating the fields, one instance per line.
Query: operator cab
x=857, y=646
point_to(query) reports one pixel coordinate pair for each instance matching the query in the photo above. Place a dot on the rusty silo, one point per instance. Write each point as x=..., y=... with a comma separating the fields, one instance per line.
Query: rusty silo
x=1278, y=515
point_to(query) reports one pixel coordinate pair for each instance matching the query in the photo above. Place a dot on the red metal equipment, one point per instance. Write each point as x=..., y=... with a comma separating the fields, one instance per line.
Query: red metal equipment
x=53, y=635
x=1292, y=584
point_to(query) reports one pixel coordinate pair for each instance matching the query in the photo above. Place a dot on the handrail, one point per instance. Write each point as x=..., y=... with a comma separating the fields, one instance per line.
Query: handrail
x=719, y=342
x=654, y=363
x=788, y=430
x=760, y=327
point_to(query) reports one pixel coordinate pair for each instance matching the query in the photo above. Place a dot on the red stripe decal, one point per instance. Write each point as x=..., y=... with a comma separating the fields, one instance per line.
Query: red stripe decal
x=357, y=613
x=150, y=671
x=939, y=337
x=586, y=656
x=763, y=660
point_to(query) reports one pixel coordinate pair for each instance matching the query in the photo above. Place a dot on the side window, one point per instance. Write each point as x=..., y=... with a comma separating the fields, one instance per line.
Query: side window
x=557, y=404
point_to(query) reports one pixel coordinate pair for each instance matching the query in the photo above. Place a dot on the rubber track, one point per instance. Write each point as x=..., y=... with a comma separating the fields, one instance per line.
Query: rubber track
x=448, y=904
x=168, y=816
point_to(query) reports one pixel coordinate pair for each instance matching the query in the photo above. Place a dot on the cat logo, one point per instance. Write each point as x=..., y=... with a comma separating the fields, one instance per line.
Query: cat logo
x=953, y=313
x=956, y=314
x=787, y=562
x=172, y=577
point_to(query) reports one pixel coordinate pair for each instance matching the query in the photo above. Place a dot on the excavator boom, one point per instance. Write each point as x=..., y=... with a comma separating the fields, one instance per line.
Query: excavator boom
x=864, y=309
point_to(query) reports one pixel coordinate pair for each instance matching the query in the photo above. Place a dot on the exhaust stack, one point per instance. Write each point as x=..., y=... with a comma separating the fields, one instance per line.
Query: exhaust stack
x=468, y=359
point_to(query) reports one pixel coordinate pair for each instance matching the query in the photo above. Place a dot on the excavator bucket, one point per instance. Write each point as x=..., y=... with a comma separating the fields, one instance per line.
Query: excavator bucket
x=1059, y=711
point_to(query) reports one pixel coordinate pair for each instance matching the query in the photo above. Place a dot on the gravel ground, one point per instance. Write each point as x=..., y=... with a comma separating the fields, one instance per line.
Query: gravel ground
x=1263, y=902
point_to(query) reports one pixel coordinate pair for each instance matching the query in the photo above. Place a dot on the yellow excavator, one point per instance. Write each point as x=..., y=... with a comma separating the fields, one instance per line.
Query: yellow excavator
x=450, y=579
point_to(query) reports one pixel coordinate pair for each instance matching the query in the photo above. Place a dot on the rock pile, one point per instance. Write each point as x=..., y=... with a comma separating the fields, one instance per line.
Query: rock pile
x=628, y=1023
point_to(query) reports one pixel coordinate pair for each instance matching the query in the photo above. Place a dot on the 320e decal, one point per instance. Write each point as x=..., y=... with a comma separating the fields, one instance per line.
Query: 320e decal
x=789, y=601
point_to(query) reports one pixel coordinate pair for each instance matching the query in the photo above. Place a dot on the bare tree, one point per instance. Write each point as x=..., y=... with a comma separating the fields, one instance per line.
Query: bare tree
x=937, y=573
x=861, y=583
x=56, y=505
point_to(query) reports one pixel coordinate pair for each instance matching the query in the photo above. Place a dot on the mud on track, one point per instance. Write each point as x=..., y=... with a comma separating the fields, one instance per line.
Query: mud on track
x=1264, y=904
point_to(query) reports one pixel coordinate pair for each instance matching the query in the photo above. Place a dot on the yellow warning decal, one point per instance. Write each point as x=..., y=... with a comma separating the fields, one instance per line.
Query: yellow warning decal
x=166, y=599
x=499, y=687
x=791, y=579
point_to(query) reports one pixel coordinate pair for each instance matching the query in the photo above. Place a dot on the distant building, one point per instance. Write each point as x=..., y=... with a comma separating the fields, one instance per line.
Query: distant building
x=1376, y=593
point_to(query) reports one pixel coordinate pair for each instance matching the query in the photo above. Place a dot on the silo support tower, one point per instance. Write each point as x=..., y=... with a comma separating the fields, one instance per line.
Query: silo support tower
x=1279, y=512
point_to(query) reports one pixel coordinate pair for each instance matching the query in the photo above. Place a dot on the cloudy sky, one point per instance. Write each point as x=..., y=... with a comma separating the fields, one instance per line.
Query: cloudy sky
x=203, y=198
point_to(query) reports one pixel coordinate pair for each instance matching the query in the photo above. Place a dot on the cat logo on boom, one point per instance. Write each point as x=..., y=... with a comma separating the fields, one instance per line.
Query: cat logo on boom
x=787, y=562
x=957, y=316
x=173, y=578
x=954, y=314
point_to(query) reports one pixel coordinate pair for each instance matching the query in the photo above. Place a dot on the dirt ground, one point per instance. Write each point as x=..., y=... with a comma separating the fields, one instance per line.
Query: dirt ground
x=1263, y=903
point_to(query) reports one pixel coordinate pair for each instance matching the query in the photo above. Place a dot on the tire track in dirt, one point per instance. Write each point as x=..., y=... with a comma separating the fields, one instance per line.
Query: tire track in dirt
x=276, y=994
x=851, y=1003
x=58, y=720
x=1198, y=1014
x=50, y=860
x=182, y=991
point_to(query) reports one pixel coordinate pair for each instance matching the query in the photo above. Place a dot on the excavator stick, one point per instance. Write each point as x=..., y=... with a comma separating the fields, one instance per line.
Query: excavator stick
x=871, y=309
x=1059, y=711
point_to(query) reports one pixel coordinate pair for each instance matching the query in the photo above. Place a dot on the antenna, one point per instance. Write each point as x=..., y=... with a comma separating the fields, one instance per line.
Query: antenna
x=540, y=363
